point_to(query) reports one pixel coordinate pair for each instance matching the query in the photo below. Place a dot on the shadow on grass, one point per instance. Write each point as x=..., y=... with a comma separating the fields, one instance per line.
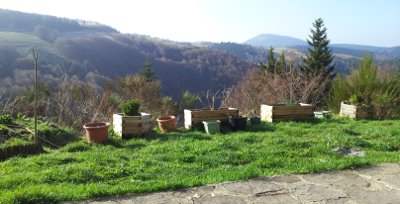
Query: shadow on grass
x=195, y=135
x=263, y=127
x=117, y=143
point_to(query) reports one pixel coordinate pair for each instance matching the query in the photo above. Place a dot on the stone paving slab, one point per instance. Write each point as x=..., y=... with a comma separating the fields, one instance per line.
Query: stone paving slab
x=378, y=184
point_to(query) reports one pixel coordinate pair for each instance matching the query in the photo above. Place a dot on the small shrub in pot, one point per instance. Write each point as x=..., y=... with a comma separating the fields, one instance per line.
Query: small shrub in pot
x=130, y=108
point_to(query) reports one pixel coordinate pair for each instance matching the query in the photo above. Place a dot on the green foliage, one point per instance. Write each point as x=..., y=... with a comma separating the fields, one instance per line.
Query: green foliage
x=271, y=62
x=130, y=108
x=339, y=92
x=169, y=106
x=81, y=171
x=319, y=57
x=43, y=92
x=20, y=116
x=378, y=90
x=289, y=102
x=3, y=130
x=189, y=100
x=355, y=99
x=147, y=72
x=281, y=64
x=6, y=119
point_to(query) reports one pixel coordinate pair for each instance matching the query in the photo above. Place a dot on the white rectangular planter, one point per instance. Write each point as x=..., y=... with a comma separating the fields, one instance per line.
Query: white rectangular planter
x=131, y=126
x=278, y=112
x=193, y=117
x=353, y=111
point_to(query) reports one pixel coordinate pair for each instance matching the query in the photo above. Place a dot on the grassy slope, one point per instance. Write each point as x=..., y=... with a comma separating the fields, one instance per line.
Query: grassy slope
x=179, y=160
x=21, y=130
x=14, y=39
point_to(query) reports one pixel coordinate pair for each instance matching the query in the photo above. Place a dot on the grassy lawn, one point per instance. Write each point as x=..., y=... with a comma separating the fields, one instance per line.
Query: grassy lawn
x=179, y=160
x=19, y=132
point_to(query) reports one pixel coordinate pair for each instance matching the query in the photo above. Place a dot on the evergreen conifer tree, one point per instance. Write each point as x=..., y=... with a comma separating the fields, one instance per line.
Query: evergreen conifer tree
x=271, y=61
x=280, y=65
x=319, y=57
x=147, y=71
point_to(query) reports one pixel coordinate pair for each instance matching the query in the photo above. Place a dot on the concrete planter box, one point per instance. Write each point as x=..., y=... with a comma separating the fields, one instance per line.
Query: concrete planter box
x=353, y=111
x=132, y=126
x=195, y=117
x=279, y=112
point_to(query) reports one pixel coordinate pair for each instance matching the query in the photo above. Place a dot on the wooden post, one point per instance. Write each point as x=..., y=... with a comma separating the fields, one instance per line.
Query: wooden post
x=35, y=58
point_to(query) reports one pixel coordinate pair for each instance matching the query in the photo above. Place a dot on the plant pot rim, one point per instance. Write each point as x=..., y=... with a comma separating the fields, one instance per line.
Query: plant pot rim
x=238, y=116
x=166, y=118
x=214, y=109
x=211, y=121
x=96, y=125
x=141, y=114
x=288, y=105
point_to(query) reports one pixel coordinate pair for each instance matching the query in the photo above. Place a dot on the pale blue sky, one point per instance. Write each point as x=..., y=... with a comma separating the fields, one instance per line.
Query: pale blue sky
x=368, y=22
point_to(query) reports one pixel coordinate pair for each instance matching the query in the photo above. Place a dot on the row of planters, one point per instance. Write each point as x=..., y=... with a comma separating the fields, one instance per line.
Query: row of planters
x=132, y=123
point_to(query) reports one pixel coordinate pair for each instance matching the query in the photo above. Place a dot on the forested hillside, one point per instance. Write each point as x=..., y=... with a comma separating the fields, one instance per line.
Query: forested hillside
x=95, y=53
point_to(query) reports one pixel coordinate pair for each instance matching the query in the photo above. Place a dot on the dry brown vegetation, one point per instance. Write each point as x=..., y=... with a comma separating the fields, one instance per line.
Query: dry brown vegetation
x=75, y=103
x=288, y=86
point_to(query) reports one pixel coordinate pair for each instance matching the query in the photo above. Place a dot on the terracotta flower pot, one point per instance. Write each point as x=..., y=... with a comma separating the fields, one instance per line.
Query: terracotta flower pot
x=96, y=132
x=167, y=123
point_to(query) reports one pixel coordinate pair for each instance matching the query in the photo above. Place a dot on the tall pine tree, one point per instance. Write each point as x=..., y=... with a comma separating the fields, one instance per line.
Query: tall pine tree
x=147, y=72
x=280, y=65
x=319, y=57
x=271, y=61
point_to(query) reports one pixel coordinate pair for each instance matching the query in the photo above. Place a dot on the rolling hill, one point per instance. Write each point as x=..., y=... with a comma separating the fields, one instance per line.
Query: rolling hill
x=272, y=40
x=96, y=53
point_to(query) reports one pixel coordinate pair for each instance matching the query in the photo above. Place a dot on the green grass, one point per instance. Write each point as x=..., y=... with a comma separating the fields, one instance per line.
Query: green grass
x=19, y=132
x=178, y=160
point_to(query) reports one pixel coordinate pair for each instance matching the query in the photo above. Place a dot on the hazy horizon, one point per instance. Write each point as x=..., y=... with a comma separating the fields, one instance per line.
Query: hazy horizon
x=363, y=22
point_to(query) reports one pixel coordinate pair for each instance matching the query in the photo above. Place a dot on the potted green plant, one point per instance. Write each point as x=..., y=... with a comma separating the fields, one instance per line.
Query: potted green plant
x=96, y=132
x=130, y=122
x=167, y=123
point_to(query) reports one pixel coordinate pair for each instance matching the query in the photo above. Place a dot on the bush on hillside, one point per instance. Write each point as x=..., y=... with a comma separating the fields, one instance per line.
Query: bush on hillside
x=377, y=88
x=6, y=119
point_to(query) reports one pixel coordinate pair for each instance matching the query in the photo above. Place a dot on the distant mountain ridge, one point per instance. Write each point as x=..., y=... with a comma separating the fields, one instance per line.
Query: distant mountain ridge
x=281, y=41
x=273, y=40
